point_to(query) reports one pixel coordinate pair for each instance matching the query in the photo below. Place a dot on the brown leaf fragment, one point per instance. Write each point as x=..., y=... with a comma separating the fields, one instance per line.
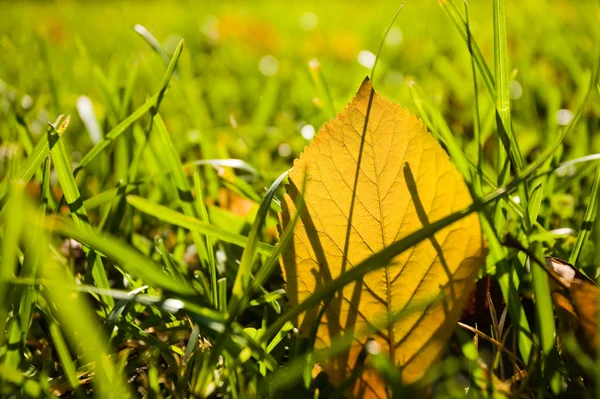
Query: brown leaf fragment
x=576, y=300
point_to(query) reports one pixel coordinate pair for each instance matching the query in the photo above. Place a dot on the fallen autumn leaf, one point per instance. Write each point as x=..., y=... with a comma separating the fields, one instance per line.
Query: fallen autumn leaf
x=374, y=175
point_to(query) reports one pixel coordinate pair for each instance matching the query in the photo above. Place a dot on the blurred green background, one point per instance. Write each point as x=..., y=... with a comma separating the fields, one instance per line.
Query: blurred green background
x=246, y=64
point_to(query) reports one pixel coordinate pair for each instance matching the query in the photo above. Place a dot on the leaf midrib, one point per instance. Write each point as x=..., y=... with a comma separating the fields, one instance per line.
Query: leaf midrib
x=388, y=302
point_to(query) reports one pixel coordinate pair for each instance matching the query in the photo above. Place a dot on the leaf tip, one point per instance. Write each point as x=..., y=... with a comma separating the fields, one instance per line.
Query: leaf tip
x=366, y=83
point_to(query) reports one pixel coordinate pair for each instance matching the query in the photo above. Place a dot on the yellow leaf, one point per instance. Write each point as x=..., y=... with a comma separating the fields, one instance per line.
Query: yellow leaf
x=396, y=178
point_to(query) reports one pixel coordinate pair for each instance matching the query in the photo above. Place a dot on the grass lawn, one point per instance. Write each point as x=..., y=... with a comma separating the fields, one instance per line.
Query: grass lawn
x=144, y=158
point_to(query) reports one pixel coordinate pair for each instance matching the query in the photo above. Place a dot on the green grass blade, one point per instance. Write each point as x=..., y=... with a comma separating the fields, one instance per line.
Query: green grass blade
x=477, y=177
x=169, y=264
x=78, y=212
x=62, y=166
x=184, y=193
x=243, y=277
x=14, y=349
x=62, y=350
x=440, y=128
x=192, y=343
x=292, y=373
x=116, y=132
x=268, y=297
x=272, y=263
x=285, y=238
x=125, y=256
x=509, y=284
x=588, y=219
x=504, y=131
x=287, y=327
x=240, y=293
x=152, y=104
x=568, y=167
x=30, y=387
x=168, y=215
x=203, y=216
x=535, y=201
x=545, y=317
x=13, y=225
x=110, y=194
x=78, y=323
x=453, y=13
x=503, y=83
x=27, y=295
x=138, y=142
x=383, y=41
x=40, y=151
x=169, y=74
x=152, y=41
x=222, y=289
x=117, y=310
x=212, y=319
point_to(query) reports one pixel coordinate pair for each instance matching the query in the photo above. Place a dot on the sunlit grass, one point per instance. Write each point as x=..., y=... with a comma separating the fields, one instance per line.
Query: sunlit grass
x=145, y=262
